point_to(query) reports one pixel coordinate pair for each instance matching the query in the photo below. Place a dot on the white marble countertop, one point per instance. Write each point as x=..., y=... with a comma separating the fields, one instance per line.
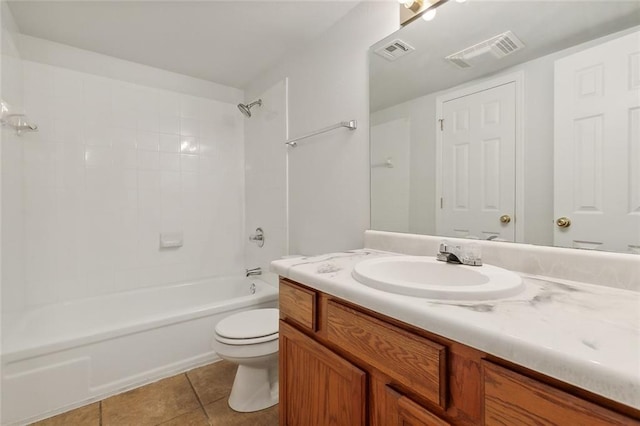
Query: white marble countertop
x=582, y=334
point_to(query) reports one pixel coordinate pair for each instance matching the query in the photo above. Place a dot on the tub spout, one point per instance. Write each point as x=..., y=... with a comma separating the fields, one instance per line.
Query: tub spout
x=253, y=271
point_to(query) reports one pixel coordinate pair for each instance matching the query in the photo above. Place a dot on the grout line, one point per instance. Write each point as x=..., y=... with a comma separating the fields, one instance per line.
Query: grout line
x=100, y=412
x=187, y=412
x=196, y=393
x=198, y=398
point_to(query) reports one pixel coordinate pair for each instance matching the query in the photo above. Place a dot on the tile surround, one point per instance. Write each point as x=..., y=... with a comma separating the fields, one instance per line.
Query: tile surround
x=113, y=165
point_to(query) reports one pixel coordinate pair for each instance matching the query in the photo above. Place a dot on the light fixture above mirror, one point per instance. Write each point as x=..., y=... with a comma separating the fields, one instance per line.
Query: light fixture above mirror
x=413, y=9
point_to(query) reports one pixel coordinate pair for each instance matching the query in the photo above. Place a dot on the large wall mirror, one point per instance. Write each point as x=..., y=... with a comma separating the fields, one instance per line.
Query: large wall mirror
x=510, y=120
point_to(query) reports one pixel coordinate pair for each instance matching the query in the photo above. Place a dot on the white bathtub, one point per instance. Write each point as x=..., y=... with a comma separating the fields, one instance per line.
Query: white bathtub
x=61, y=356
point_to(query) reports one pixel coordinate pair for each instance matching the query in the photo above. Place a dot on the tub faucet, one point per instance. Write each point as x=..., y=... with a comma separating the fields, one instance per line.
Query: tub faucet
x=253, y=271
x=466, y=254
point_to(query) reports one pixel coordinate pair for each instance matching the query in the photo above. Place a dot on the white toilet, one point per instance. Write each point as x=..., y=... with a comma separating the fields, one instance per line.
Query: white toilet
x=250, y=339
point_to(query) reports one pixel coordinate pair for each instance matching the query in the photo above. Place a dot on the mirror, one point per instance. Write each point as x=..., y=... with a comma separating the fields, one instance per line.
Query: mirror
x=510, y=120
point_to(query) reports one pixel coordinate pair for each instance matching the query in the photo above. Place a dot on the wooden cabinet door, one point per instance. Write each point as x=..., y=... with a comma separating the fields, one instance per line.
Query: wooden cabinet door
x=318, y=387
x=402, y=411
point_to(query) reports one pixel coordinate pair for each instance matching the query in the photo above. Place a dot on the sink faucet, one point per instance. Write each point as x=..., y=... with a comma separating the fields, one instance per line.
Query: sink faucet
x=253, y=271
x=466, y=254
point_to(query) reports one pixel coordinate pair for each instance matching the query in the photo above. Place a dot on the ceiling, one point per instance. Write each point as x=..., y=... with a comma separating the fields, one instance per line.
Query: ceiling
x=544, y=27
x=227, y=42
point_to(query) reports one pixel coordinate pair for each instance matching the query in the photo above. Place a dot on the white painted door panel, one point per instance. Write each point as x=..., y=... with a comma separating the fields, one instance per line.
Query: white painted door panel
x=597, y=146
x=478, y=164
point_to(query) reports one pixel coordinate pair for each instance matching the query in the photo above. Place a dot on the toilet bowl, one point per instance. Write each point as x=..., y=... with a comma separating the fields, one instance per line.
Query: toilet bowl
x=250, y=339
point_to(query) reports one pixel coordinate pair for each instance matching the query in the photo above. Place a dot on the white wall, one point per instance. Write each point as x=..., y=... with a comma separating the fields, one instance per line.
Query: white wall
x=390, y=155
x=421, y=113
x=329, y=174
x=11, y=153
x=266, y=177
x=11, y=195
x=115, y=164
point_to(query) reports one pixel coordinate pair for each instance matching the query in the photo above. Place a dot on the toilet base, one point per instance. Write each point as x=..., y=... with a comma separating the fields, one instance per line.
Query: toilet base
x=254, y=389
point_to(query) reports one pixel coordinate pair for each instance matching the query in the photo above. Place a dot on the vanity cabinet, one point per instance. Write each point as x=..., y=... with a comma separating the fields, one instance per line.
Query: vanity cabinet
x=342, y=364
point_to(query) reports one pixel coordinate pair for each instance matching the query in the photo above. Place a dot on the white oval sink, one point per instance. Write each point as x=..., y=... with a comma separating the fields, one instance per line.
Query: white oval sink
x=427, y=277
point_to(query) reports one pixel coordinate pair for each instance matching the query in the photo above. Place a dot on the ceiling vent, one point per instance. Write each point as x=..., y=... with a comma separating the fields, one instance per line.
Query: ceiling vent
x=394, y=50
x=496, y=47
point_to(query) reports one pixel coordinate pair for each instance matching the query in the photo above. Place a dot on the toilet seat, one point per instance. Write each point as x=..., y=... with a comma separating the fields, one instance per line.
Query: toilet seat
x=253, y=341
x=248, y=327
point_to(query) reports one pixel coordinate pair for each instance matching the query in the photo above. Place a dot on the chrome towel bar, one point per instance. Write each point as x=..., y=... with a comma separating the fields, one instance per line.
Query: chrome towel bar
x=351, y=125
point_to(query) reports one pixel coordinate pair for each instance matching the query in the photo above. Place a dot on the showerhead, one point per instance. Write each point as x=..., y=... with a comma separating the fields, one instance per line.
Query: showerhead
x=246, y=109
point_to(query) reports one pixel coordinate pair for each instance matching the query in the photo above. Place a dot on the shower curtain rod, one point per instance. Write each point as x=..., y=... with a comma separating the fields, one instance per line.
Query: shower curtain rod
x=351, y=125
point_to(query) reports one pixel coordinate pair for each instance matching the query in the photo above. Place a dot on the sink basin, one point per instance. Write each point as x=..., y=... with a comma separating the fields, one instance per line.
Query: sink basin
x=427, y=277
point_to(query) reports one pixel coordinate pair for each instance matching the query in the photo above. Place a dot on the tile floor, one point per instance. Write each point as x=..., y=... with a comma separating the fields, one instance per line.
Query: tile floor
x=197, y=397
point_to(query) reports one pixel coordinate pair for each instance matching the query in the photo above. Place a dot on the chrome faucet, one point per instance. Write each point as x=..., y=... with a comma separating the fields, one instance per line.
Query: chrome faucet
x=466, y=254
x=258, y=237
x=253, y=271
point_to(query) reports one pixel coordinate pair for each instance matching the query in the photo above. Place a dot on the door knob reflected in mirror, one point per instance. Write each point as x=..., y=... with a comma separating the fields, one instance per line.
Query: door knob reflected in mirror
x=505, y=218
x=563, y=222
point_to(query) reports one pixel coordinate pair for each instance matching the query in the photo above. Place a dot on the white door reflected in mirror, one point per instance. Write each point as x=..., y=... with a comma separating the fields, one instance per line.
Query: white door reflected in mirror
x=478, y=164
x=597, y=99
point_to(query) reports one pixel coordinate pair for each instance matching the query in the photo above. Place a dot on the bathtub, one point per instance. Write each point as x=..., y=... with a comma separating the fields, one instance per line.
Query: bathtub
x=65, y=355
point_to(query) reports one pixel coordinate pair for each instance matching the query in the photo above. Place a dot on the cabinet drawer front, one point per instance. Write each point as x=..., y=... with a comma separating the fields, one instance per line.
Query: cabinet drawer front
x=511, y=398
x=298, y=304
x=408, y=359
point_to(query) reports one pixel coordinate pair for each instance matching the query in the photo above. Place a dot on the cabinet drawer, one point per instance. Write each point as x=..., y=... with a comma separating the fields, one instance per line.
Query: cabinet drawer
x=298, y=304
x=408, y=359
x=511, y=398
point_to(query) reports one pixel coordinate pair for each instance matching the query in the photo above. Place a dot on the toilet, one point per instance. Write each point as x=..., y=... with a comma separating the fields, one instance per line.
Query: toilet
x=250, y=339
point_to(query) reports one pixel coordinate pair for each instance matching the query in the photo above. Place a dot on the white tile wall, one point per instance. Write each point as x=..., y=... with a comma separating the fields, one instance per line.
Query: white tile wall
x=115, y=164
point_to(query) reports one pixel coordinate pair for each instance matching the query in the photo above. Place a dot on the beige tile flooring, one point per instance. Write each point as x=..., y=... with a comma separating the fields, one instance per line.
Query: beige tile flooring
x=197, y=397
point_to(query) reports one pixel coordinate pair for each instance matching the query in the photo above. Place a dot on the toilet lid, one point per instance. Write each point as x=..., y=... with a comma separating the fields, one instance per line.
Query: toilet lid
x=249, y=324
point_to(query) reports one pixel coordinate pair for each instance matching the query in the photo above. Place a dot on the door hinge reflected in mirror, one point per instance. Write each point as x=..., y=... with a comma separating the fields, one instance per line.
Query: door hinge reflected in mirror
x=441, y=121
x=441, y=202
